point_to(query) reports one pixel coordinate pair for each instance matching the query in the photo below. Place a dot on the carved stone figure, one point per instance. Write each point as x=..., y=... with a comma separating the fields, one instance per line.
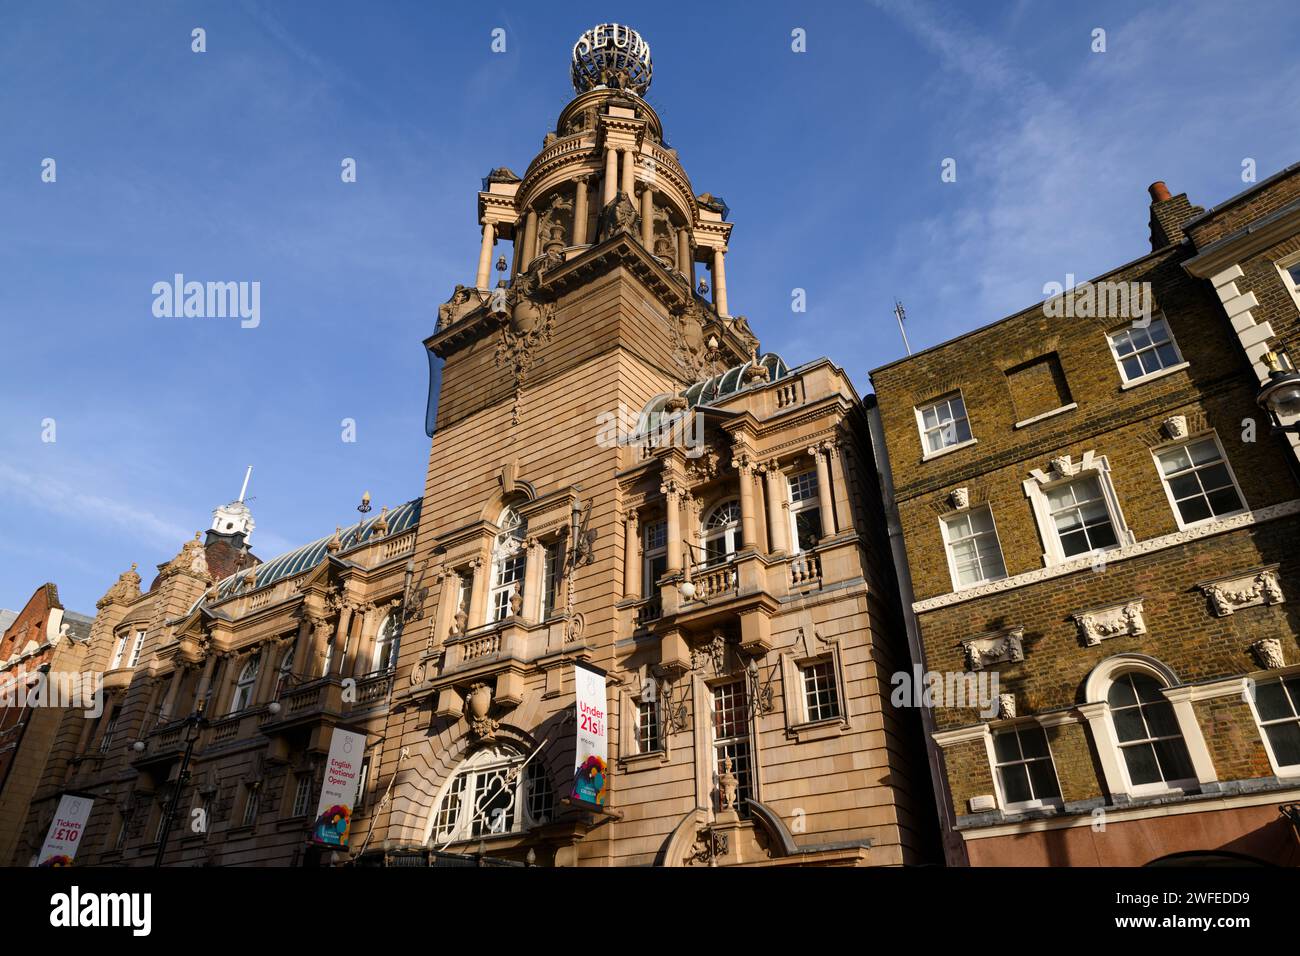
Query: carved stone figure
x=1269, y=653
x=960, y=498
x=125, y=590
x=728, y=786
x=479, y=703
x=619, y=216
x=462, y=302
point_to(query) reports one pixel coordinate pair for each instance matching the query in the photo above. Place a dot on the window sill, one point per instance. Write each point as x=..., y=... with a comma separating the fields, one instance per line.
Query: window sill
x=819, y=730
x=633, y=763
x=1207, y=522
x=931, y=455
x=1153, y=376
x=959, y=588
x=1033, y=419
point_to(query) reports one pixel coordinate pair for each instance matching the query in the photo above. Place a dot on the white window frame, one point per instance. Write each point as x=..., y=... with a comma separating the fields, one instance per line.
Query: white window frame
x=649, y=553
x=946, y=531
x=246, y=685
x=747, y=780
x=1039, y=484
x=1279, y=770
x=1126, y=382
x=552, y=578
x=509, y=559
x=640, y=745
x=119, y=651
x=1038, y=803
x=1169, y=494
x=728, y=533
x=805, y=668
x=1284, y=265
x=252, y=801
x=805, y=504
x=302, y=791
x=946, y=398
x=136, y=647
x=381, y=658
x=455, y=825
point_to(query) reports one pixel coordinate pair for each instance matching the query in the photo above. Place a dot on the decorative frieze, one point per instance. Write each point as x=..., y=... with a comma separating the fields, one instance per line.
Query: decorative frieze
x=1269, y=653
x=998, y=647
x=1250, y=589
x=1118, y=620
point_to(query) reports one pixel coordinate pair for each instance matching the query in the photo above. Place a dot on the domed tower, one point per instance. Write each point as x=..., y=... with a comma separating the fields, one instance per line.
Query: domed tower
x=605, y=174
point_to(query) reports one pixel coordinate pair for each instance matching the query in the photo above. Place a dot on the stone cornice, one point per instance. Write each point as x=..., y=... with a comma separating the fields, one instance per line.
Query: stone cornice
x=1245, y=242
x=1150, y=546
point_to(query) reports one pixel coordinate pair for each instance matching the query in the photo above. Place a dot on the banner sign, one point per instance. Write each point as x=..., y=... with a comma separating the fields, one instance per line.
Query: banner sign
x=338, y=792
x=65, y=831
x=591, y=773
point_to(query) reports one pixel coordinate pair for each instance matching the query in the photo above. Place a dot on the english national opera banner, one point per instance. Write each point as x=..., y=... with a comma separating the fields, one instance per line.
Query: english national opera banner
x=338, y=792
x=66, y=830
x=591, y=774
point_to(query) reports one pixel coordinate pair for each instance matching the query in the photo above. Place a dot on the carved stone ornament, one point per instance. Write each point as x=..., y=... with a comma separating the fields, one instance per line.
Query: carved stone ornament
x=1269, y=653
x=516, y=601
x=959, y=498
x=191, y=559
x=528, y=325
x=1175, y=427
x=462, y=302
x=708, y=845
x=124, y=591
x=619, y=216
x=1252, y=589
x=479, y=704
x=1006, y=706
x=1119, y=620
x=999, y=647
x=728, y=786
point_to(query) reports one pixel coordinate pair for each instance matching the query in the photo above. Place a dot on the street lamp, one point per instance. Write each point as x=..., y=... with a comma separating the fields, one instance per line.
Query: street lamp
x=1280, y=395
x=193, y=728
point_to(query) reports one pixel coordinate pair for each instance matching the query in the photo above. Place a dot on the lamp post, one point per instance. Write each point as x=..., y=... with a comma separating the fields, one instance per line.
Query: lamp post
x=193, y=727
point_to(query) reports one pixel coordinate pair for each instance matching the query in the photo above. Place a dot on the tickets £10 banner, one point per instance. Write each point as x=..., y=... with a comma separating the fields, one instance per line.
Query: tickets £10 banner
x=66, y=830
x=338, y=792
x=591, y=772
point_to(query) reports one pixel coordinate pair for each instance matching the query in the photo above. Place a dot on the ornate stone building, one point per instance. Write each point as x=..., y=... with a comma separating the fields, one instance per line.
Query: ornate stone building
x=1095, y=513
x=618, y=477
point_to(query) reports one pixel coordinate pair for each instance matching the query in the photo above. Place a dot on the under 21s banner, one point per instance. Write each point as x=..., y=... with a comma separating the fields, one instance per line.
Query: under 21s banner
x=66, y=830
x=338, y=792
x=591, y=772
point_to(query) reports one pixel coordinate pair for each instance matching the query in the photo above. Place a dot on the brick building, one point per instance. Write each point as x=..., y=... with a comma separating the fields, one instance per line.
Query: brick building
x=1098, y=530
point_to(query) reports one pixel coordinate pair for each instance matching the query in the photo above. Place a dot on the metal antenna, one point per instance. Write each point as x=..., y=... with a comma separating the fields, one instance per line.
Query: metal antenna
x=902, y=317
x=244, y=490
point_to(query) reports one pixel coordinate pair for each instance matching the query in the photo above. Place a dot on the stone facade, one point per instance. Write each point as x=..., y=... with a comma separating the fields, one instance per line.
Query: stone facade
x=1109, y=571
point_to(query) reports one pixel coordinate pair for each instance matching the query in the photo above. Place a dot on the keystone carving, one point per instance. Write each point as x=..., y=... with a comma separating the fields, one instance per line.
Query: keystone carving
x=1119, y=620
x=1269, y=653
x=999, y=647
x=1252, y=589
x=960, y=498
x=1175, y=426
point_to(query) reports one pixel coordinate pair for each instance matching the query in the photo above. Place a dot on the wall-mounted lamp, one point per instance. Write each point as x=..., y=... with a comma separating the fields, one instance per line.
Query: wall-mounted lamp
x=1280, y=395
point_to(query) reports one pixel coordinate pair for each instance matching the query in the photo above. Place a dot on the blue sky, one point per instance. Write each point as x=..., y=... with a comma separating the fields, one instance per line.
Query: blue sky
x=225, y=165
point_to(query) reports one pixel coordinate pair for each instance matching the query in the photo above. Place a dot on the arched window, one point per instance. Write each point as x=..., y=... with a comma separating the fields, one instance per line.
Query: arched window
x=492, y=793
x=508, y=558
x=719, y=532
x=245, y=684
x=385, y=655
x=285, y=675
x=1147, y=733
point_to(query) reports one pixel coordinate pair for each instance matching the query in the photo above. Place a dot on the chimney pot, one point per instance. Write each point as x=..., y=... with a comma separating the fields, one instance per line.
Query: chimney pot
x=1158, y=190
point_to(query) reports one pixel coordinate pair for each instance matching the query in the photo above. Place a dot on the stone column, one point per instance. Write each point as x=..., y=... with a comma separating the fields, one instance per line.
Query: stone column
x=827, y=503
x=580, y=211
x=205, y=679
x=631, y=556
x=341, y=640
x=776, y=528
x=485, y=255
x=267, y=669
x=672, y=494
x=367, y=633
x=629, y=173
x=684, y=251
x=534, y=568
x=478, y=589
x=839, y=478
x=314, y=666
x=611, y=176
x=648, y=218
x=530, y=240
x=720, y=281
x=169, y=701
x=446, y=613
x=745, y=469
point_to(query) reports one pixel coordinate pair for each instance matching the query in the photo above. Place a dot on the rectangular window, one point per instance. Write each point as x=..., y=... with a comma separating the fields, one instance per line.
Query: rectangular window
x=943, y=424
x=135, y=649
x=1038, y=387
x=302, y=795
x=118, y=650
x=731, y=739
x=1141, y=352
x=123, y=830
x=552, y=572
x=1199, y=482
x=251, y=797
x=1289, y=270
x=647, y=727
x=1277, y=705
x=655, y=551
x=1080, y=516
x=110, y=728
x=162, y=822
x=508, y=572
x=820, y=693
x=805, y=511
x=974, y=554
x=1024, y=767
